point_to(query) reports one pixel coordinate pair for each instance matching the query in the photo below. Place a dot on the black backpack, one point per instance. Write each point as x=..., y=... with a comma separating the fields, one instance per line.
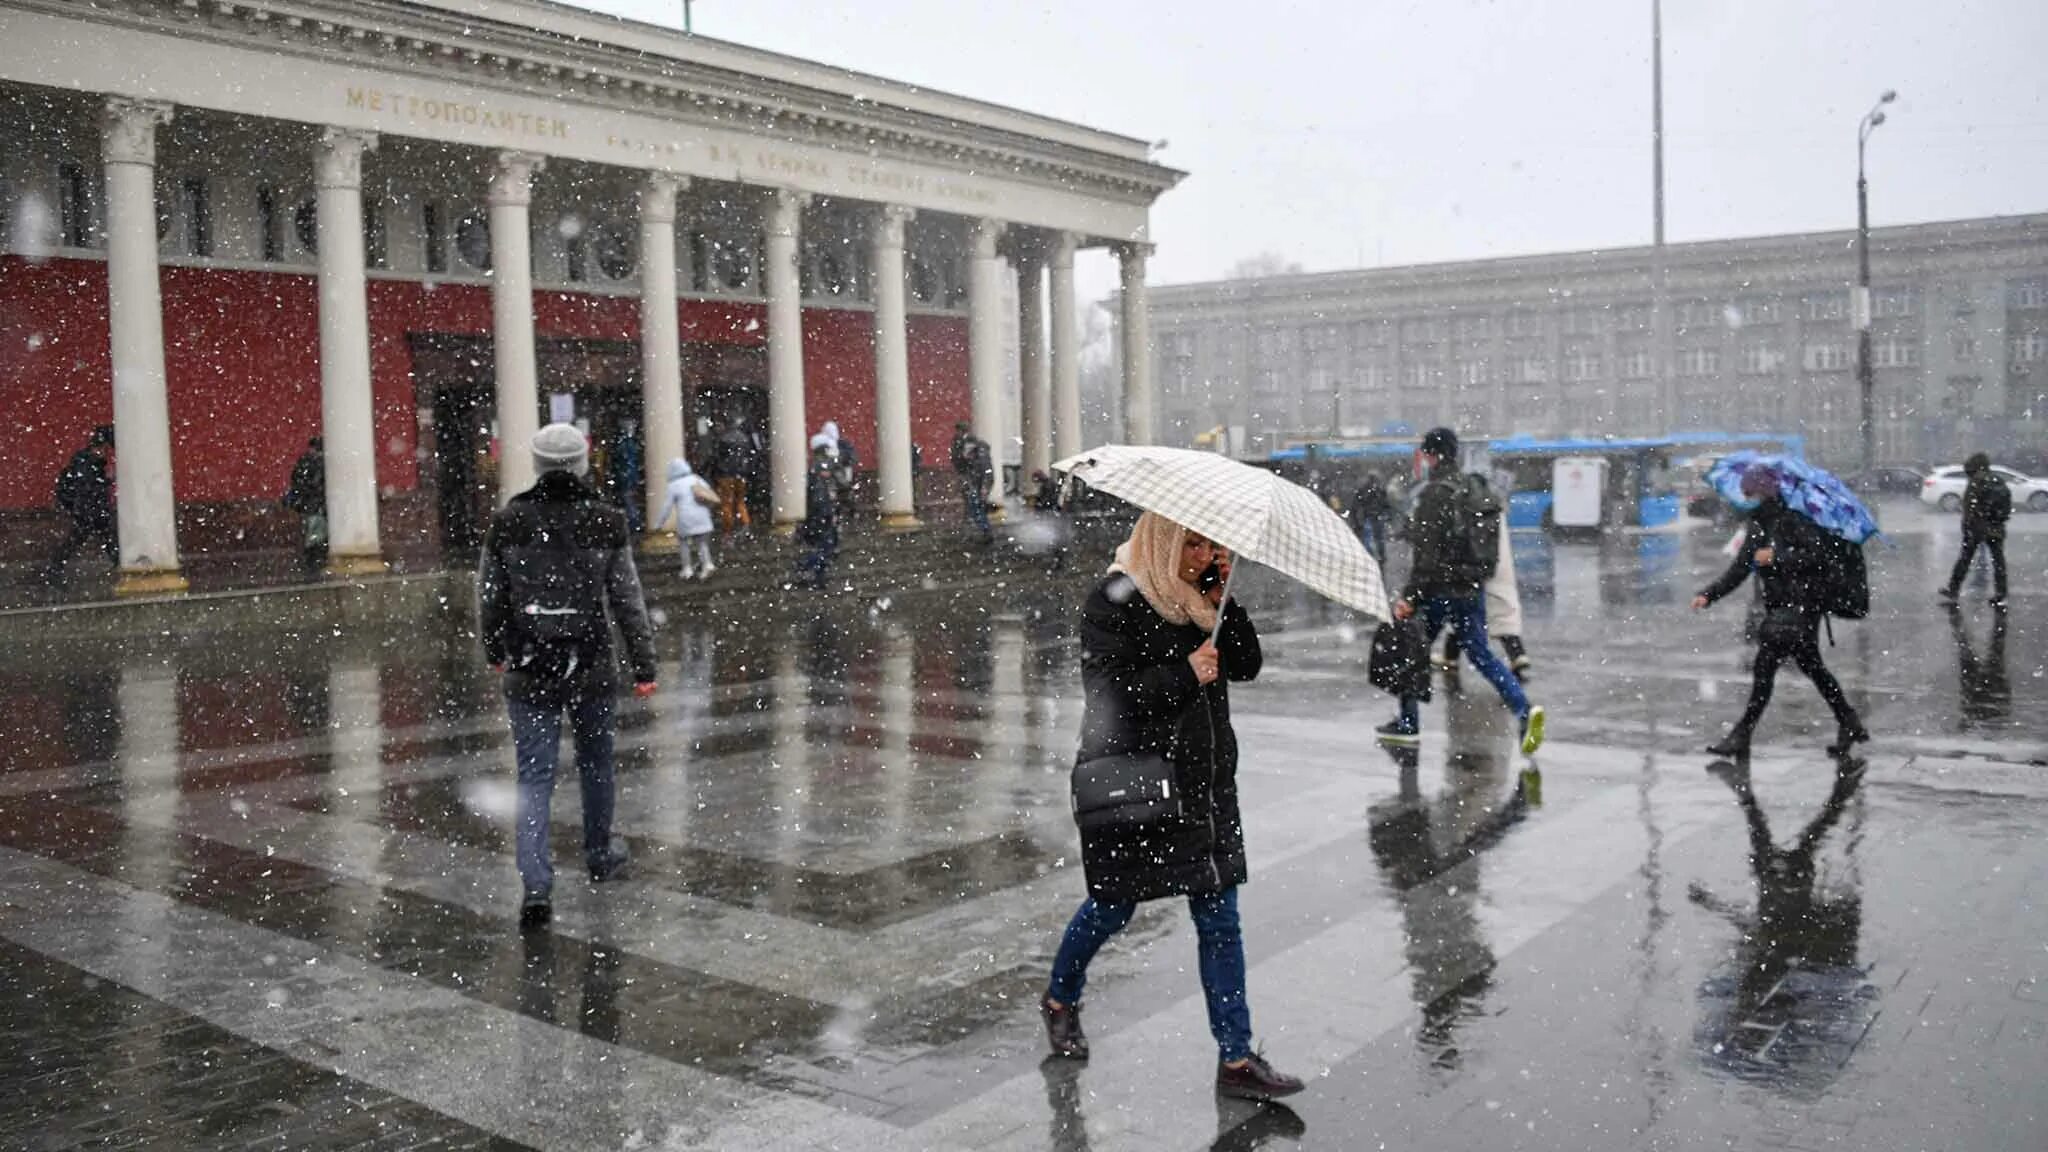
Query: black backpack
x=558, y=626
x=1998, y=504
x=1473, y=530
x=1843, y=588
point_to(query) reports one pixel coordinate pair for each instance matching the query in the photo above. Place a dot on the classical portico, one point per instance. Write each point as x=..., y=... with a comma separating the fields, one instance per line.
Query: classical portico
x=434, y=105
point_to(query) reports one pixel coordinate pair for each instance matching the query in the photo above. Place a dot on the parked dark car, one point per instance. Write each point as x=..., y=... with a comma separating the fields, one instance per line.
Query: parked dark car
x=1887, y=481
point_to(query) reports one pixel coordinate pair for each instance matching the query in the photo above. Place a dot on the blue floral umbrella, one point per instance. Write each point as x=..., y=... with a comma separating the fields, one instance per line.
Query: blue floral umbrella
x=1816, y=492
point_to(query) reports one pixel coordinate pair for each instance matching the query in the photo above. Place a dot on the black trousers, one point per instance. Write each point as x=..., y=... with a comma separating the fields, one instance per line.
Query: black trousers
x=1971, y=542
x=1795, y=637
x=93, y=533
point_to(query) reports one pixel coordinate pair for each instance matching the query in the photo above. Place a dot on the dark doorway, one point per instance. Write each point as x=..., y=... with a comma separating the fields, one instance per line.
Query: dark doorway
x=598, y=381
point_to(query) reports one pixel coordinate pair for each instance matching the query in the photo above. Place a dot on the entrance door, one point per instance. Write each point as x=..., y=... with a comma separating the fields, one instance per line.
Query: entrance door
x=725, y=386
x=452, y=379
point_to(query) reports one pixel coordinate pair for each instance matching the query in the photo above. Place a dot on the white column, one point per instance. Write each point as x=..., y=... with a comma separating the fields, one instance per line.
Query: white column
x=1034, y=387
x=1140, y=407
x=985, y=345
x=1066, y=351
x=788, y=438
x=145, y=510
x=512, y=320
x=661, y=355
x=346, y=406
x=892, y=370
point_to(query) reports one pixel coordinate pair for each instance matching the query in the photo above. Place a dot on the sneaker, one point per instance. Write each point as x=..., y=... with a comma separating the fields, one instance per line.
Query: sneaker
x=689, y=574
x=1395, y=732
x=1998, y=602
x=1532, y=731
x=1945, y=596
x=708, y=570
x=1732, y=745
x=535, y=910
x=1847, y=738
x=1063, y=1029
x=1520, y=666
x=1255, y=1080
x=612, y=866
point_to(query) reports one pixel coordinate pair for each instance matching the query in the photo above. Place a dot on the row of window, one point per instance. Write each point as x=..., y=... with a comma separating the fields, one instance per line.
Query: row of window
x=591, y=249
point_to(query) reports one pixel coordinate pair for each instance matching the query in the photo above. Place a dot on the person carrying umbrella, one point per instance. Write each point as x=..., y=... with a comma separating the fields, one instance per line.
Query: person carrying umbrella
x=1158, y=647
x=1161, y=639
x=1792, y=560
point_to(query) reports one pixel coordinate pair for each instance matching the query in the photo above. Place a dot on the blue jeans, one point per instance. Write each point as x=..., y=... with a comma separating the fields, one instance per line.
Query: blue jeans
x=976, y=505
x=817, y=556
x=1467, y=617
x=1220, y=951
x=537, y=742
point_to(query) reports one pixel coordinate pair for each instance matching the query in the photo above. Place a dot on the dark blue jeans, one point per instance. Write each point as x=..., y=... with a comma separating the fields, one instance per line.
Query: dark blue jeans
x=976, y=505
x=1467, y=617
x=1220, y=950
x=537, y=742
x=818, y=554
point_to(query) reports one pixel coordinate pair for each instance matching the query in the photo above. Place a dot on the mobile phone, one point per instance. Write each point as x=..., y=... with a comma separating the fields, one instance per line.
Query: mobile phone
x=1211, y=577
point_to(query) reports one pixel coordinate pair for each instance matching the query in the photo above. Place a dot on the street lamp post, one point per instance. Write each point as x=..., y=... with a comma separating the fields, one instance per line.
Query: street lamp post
x=1865, y=377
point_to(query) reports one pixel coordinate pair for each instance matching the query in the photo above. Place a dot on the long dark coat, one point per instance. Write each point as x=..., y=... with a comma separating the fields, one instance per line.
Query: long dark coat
x=1143, y=696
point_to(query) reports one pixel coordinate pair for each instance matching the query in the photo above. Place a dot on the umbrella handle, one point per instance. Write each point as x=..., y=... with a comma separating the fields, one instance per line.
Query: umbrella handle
x=1217, y=631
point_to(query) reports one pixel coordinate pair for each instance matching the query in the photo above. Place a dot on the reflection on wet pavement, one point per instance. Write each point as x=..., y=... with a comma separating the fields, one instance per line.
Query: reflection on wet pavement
x=260, y=891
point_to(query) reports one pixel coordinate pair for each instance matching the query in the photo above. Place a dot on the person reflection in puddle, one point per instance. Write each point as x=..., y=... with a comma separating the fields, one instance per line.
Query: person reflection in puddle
x=1240, y=1126
x=1422, y=847
x=1986, y=690
x=1792, y=1003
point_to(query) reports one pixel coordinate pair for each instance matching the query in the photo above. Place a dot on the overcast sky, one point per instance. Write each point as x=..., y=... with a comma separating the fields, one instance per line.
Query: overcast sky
x=1341, y=133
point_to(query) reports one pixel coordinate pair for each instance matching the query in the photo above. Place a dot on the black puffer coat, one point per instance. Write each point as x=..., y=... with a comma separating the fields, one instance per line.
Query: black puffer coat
x=1143, y=696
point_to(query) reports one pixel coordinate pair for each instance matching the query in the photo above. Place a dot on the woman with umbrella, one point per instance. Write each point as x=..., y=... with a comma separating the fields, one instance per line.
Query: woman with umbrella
x=1159, y=644
x=1785, y=546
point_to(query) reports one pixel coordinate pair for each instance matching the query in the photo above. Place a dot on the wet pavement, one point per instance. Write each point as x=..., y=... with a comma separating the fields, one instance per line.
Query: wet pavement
x=258, y=891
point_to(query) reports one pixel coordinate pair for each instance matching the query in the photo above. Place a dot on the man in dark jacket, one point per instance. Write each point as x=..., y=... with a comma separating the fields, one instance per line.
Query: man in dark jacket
x=307, y=496
x=975, y=466
x=1446, y=586
x=1987, y=505
x=85, y=494
x=819, y=531
x=557, y=569
x=1790, y=560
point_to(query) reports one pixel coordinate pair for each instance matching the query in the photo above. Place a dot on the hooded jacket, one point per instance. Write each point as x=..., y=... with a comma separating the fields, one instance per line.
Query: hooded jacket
x=691, y=516
x=558, y=559
x=1987, y=505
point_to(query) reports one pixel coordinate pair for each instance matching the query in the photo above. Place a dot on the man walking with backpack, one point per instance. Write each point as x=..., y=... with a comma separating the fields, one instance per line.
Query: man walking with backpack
x=557, y=569
x=85, y=494
x=1987, y=505
x=1455, y=533
x=1798, y=569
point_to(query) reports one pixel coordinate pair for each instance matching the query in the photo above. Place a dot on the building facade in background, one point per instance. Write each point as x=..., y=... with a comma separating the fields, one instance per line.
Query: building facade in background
x=1747, y=335
x=420, y=229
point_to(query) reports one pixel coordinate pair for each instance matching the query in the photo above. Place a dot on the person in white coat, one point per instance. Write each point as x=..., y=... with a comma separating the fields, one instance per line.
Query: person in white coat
x=690, y=501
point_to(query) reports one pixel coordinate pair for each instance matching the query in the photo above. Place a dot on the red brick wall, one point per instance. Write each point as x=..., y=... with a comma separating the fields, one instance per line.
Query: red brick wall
x=242, y=359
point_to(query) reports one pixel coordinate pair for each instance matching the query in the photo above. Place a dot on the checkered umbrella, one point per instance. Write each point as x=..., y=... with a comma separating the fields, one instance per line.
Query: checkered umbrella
x=1252, y=512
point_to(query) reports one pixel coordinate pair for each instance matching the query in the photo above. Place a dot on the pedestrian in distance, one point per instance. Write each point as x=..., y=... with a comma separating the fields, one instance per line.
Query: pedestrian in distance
x=306, y=494
x=974, y=464
x=1987, y=505
x=1155, y=669
x=1455, y=534
x=689, y=504
x=557, y=572
x=1371, y=515
x=85, y=494
x=818, y=534
x=731, y=463
x=1792, y=562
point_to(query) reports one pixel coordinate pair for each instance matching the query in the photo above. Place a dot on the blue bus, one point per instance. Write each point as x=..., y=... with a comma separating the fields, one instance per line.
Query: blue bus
x=1646, y=478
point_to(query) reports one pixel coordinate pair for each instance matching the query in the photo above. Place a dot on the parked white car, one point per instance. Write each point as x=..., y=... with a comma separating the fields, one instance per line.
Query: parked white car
x=1944, y=486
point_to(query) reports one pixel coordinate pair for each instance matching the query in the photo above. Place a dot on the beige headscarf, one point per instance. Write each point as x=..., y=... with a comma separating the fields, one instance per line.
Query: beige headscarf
x=1151, y=558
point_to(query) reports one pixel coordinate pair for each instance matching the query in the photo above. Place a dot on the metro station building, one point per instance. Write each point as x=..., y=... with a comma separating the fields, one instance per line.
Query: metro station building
x=421, y=228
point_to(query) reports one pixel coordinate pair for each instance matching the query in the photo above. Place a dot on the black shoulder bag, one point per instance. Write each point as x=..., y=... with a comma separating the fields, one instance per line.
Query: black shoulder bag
x=1124, y=791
